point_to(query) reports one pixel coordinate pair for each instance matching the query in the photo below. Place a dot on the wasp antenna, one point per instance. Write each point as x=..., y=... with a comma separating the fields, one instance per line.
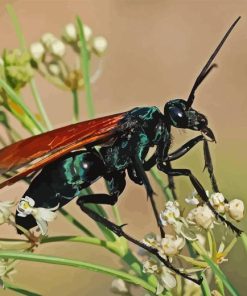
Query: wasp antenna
x=208, y=67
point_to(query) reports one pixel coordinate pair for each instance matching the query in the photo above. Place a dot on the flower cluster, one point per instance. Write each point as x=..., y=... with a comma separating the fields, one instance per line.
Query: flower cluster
x=48, y=56
x=203, y=217
x=180, y=224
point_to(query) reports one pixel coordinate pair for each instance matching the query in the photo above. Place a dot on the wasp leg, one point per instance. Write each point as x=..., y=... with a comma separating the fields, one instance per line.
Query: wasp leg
x=143, y=176
x=197, y=185
x=171, y=183
x=209, y=166
x=118, y=230
x=207, y=157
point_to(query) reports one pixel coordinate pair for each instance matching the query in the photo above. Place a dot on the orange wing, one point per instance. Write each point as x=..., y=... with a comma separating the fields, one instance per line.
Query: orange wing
x=33, y=153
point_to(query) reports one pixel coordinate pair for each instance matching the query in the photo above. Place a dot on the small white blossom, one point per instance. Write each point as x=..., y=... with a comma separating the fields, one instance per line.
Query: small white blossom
x=170, y=214
x=171, y=245
x=217, y=200
x=235, y=209
x=57, y=47
x=41, y=215
x=118, y=286
x=167, y=279
x=100, y=45
x=37, y=50
x=5, y=210
x=70, y=34
x=192, y=200
x=150, y=266
x=151, y=240
x=88, y=33
x=54, y=69
x=47, y=39
x=201, y=216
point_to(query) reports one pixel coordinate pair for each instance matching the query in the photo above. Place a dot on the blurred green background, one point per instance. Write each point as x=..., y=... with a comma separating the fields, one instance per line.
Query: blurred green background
x=156, y=50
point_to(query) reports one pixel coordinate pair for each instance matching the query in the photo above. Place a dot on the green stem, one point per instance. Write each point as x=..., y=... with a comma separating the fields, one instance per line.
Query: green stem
x=76, y=105
x=39, y=104
x=85, y=66
x=75, y=222
x=16, y=25
x=77, y=264
x=19, y=290
x=111, y=246
x=23, y=46
x=165, y=189
x=15, y=98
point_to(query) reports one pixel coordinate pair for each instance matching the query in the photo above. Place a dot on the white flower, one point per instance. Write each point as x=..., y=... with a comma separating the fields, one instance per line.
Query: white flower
x=100, y=45
x=217, y=200
x=192, y=200
x=201, y=216
x=150, y=266
x=118, y=286
x=47, y=39
x=5, y=210
x=170, y=214
x=54, y=69
x=41, y=215
x=235, y=209
x=87, y=32
x=167, y=280
x=37, y=50
x=57, y=47
x=70, y=34
x=171, y=245
x=151, y=240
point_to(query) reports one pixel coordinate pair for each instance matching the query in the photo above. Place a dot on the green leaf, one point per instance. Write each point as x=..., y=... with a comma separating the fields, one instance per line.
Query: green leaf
x=232, y=290
x=19, y=290
x=15, y=98
x=77, y=264
x=85, y=65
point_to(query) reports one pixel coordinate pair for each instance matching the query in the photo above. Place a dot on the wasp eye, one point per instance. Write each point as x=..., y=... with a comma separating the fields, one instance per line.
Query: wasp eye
x=178, y=116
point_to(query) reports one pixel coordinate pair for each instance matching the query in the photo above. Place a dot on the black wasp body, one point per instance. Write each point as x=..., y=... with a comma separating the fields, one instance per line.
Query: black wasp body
x=126, y=152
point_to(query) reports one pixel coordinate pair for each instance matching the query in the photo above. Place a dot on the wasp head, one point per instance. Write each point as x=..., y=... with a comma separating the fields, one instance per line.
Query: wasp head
x=179, y=115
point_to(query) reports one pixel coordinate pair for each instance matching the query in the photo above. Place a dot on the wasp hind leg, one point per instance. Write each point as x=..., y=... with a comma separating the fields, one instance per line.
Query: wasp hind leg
x=118, y=230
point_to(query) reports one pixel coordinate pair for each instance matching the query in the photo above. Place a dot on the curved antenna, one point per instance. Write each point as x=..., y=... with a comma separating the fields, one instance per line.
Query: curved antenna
x=208, y=67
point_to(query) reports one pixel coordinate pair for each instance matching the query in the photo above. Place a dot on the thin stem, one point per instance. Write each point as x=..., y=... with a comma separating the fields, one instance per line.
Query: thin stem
x=78, y=264
x=15, y=98
x=85, y=66
x=75, y=222
x=16, y=25
x=165, y=189
x=23, y=46
x=111, y=246
x=39, y=104
x=76, y=105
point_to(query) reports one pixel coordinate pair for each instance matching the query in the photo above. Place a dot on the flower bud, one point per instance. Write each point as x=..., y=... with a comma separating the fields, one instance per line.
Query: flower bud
x=99, y=45
x=47, y=39
x=202, y=216
x=235, y=209
x=217, y=200
x=118, y=286
x=70, y=34
x=57, y=48
x=171, y=245
x=88, y=33
x=37, y=51
x=54, y=69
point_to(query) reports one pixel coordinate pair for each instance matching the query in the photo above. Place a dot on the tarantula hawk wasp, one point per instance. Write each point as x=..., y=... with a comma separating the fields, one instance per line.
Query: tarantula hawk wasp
x=124, y=140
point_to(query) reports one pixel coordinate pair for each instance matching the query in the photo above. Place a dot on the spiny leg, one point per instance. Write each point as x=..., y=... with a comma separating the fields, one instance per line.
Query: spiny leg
x=171, y=183
x=119, y=232
x=143, y=176
x=209, y=166
x=197, y=185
